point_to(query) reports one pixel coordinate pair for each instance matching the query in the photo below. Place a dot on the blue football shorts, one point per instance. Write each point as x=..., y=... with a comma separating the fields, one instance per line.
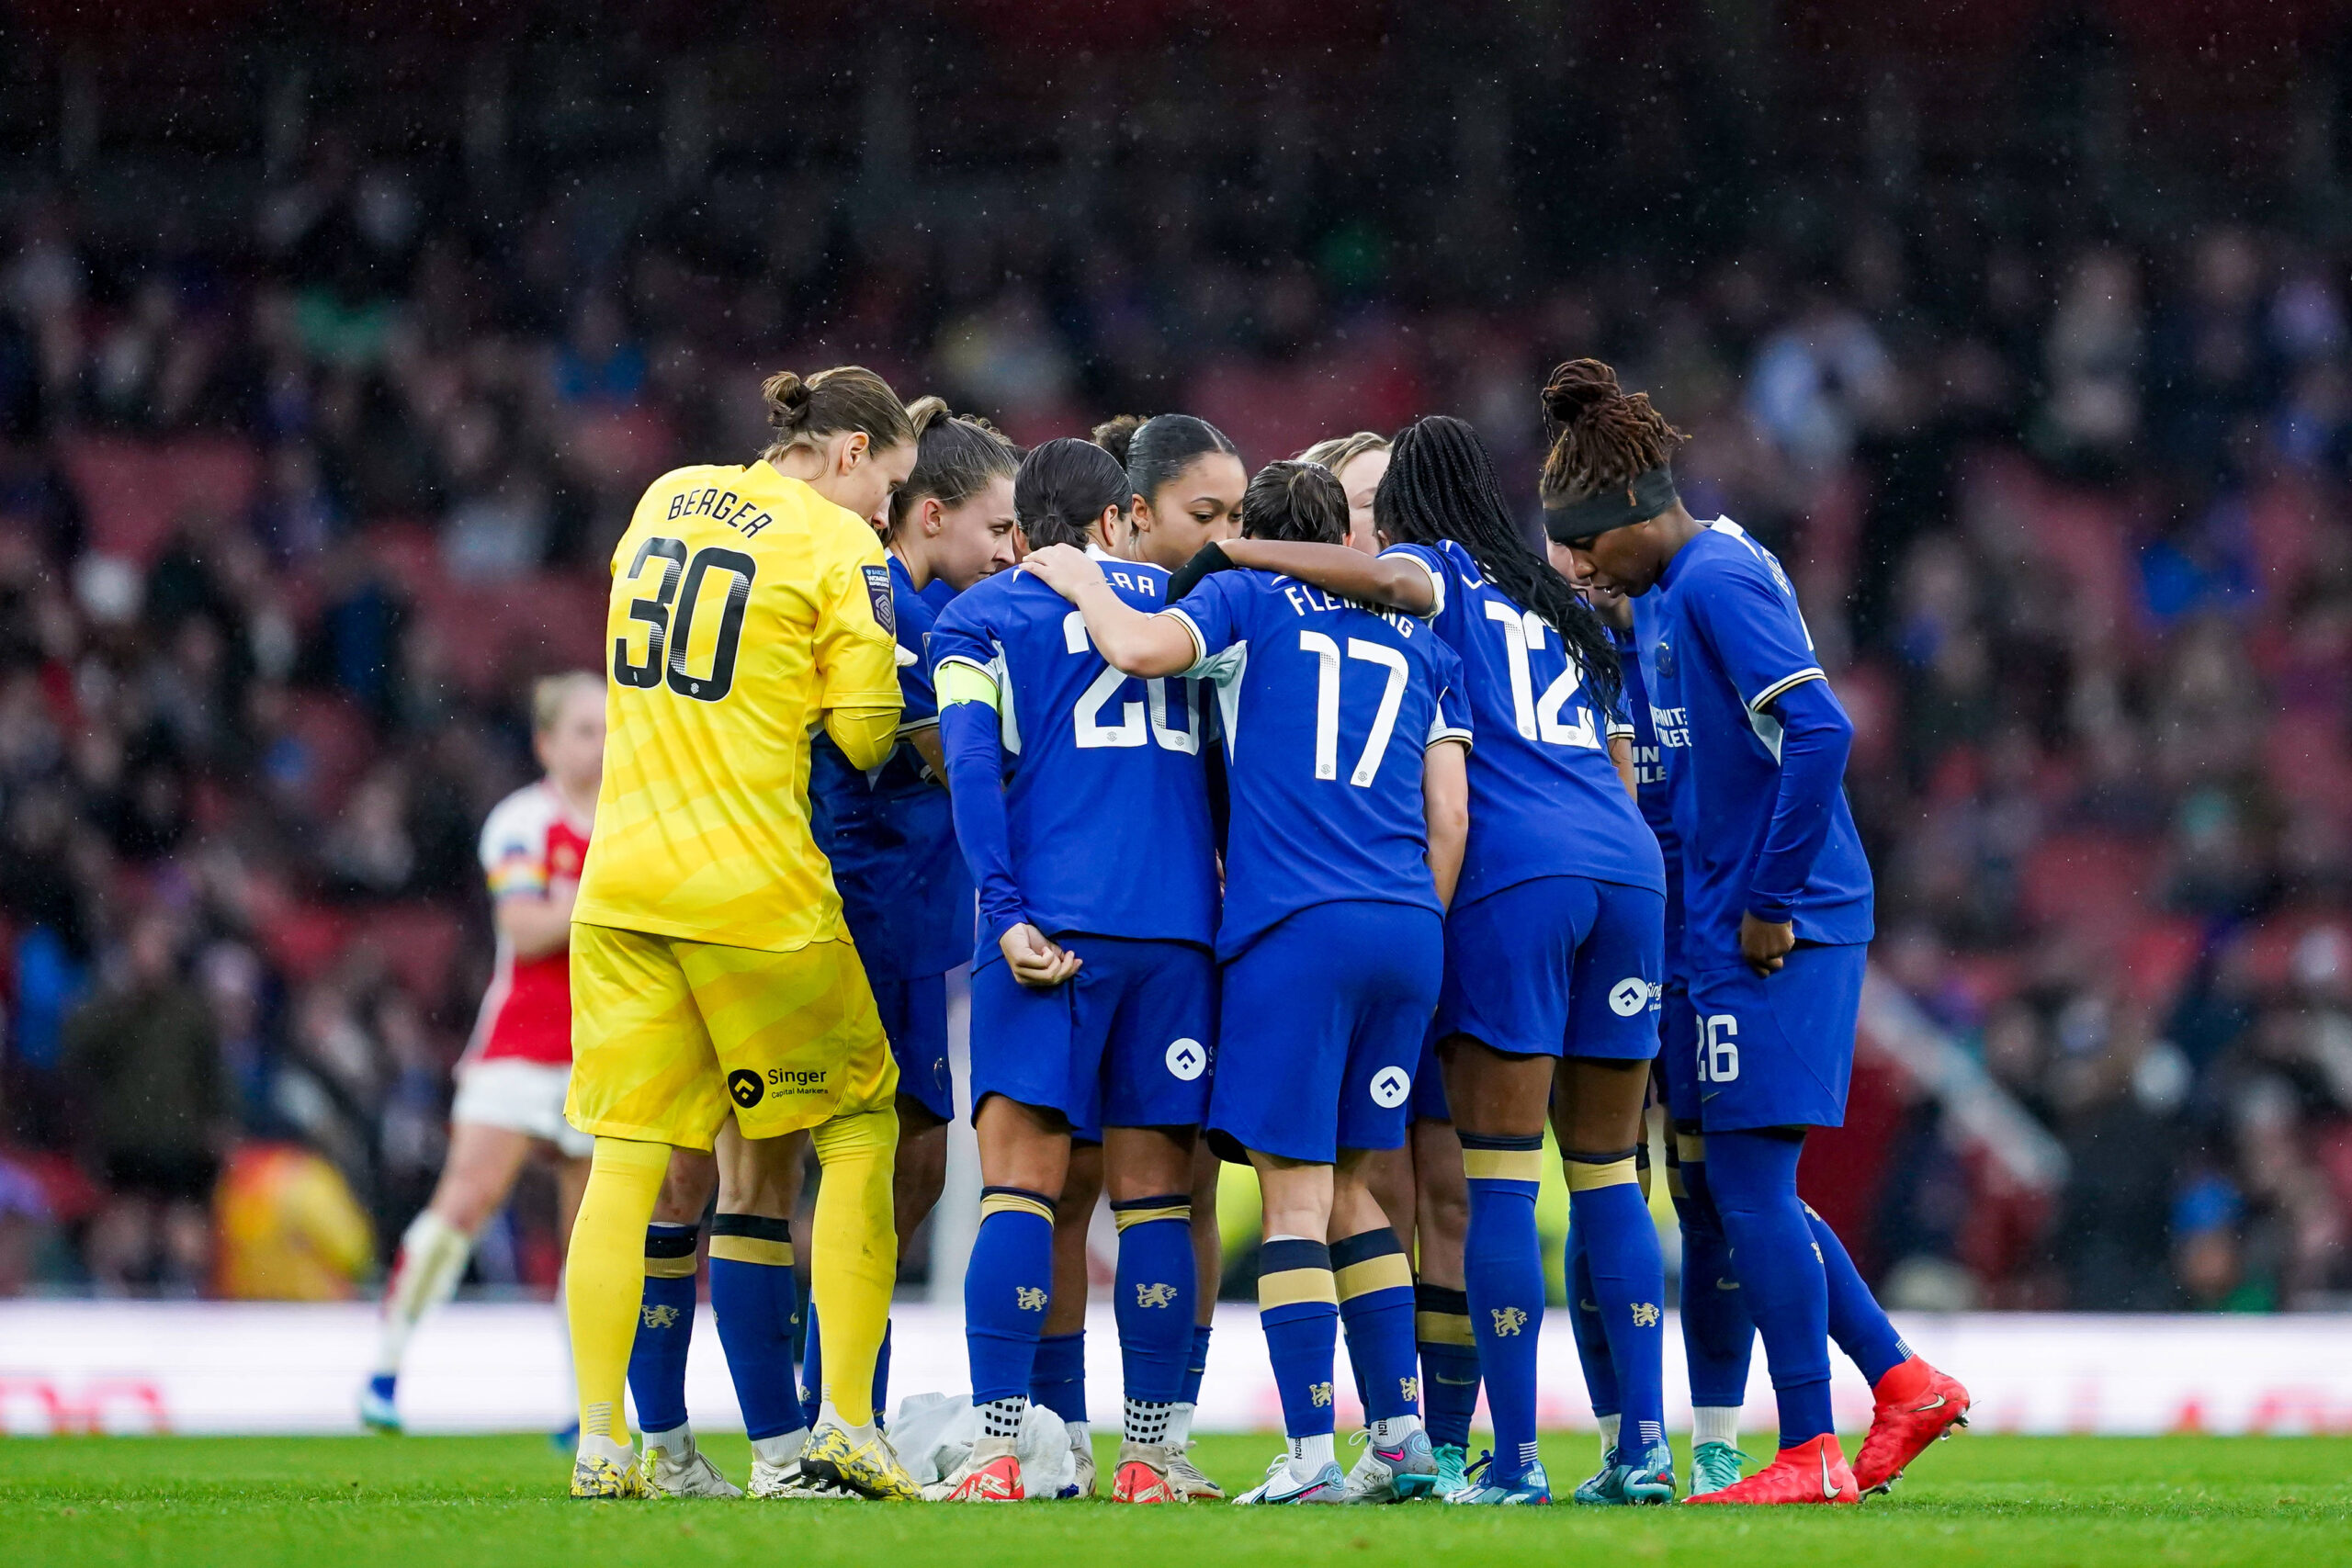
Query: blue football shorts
x=914, y=1017
x=1129, y=1041
x=1322, y=1027
x=1557, y=967
x=1776, y=1050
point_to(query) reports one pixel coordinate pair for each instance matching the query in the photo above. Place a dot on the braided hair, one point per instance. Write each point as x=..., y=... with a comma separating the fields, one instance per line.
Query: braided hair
x=1441, y=485
x=1062, y=487
x=1602, y=438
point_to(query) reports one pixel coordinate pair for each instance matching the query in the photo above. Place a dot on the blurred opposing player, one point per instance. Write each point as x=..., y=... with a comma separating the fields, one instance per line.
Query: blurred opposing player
x=1082, y=808
x=711, y=969
x=1344, y=743
x=512, y=1080
x=889, y=832
x=1778, y=901
x=1185, y=480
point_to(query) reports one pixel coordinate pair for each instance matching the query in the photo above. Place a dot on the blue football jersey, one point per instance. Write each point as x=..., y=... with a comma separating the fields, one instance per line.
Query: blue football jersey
x=1326, y=707
x=1720, y=638
x=1649, y=779
x=1544, y=798
x=890, y=834
x=1105, y=788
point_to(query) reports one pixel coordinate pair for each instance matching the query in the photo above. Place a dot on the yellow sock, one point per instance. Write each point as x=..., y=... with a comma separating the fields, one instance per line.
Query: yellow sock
x=604, y=1276
x=853, y=1261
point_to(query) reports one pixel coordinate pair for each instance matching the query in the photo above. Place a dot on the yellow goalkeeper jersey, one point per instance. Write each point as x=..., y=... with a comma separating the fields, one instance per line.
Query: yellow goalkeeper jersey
x=745, y=607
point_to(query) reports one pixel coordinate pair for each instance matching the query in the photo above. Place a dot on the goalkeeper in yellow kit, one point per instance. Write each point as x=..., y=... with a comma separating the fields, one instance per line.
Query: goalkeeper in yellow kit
x=711, y=972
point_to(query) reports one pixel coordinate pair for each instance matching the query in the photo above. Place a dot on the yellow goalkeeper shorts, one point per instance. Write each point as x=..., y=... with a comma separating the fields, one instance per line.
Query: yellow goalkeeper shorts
x=668, y=1035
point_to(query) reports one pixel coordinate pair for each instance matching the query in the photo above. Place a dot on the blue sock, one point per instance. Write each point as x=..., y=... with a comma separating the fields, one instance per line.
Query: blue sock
x=1592, y=1340
x=1057, y=1375
x=1154, y=1297
x=1857, y=1322
x=665, y=1325
x=1449, y=1363
x=1502, y=1268
x=1006, y=1286
x=1753, y=1176
x=1628, y=1276
x=1375, y=1288
x=1718, y=1336
x=812, y=1367
x=1298, y=1303
x=754, y=1297
x=882, y=1380
x=1195, y=1366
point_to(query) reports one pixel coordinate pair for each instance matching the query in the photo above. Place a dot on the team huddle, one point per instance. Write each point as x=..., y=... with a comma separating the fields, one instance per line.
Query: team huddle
x=1313, y=819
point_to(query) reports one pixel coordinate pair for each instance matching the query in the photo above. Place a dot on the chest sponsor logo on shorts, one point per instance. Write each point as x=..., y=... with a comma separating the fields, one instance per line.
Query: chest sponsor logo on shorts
x=1188, y=1059
x=1390, y=1086
x=1629, y=996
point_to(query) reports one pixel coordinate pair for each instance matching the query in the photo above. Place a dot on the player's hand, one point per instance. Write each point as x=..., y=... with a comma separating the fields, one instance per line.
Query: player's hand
x=1765, y=945
x=1036, y=960
x=1065, y=568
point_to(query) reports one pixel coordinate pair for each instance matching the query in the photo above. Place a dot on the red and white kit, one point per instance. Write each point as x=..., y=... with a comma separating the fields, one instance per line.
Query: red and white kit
x=518, y=1064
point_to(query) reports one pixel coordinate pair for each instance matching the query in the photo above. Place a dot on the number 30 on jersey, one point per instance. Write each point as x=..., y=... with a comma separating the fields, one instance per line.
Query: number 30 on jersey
x=674, y=632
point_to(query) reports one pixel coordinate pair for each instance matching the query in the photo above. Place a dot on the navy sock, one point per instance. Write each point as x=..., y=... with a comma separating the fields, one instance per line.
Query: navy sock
x=1628, y=1276
x=1195, y=1365
x=1502, y=1266
x=1449, y=1363
x=1299, y=1304
x=882, y=1379
x=1006, y=1286
x=1718, y=1336
x=1058, y=1376
x=1593, y=1339
x=1857, y=1322
x=812, y=1366
x=754, y=1297
x=1753, y=1176
x=665, y=1325
x=1375, y=1288
x=1154, y=1297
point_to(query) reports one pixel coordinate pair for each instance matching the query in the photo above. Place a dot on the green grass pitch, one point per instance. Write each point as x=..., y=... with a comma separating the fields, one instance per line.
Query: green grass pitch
x=359, y=1502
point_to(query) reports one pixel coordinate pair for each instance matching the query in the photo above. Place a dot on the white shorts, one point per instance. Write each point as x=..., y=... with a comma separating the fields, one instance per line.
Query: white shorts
x=527, y=1097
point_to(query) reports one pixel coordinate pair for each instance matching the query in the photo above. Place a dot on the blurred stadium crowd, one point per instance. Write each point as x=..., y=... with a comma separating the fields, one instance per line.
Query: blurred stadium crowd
x=294, y=502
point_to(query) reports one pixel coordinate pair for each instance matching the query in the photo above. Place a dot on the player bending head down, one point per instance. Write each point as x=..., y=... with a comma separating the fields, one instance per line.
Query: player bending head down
x=713, y=977
x=1345, y=739
x=1777, y=897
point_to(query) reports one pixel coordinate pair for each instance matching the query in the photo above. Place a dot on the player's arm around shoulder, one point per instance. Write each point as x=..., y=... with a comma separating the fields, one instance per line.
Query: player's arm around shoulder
x=1130, y=641
x=856, y=642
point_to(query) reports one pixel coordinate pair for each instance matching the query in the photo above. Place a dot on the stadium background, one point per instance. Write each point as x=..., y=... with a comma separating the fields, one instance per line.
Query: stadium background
x=335, y=343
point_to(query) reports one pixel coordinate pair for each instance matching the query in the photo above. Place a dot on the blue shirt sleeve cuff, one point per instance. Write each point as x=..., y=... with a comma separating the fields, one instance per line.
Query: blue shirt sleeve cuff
x=1771, y=911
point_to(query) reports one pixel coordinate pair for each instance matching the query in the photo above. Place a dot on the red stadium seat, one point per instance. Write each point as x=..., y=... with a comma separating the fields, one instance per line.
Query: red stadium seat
x=135, y=490
x=419, y=944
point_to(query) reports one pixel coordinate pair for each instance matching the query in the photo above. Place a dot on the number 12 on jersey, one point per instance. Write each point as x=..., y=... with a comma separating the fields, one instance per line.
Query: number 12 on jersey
x=1522, y=631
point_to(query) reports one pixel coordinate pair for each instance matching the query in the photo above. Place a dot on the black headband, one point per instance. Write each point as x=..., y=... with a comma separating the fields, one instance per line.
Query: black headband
x=1641, y=499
